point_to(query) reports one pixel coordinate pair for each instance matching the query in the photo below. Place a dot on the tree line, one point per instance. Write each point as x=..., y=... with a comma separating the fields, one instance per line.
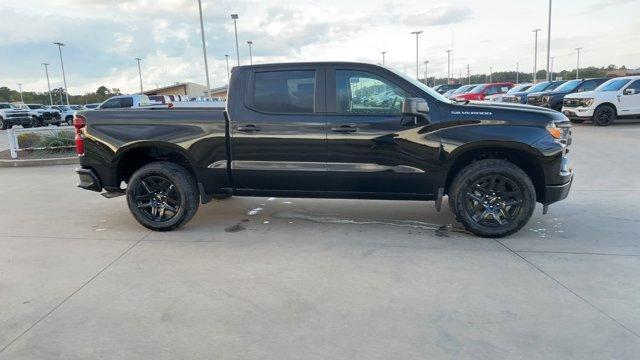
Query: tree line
x=58, y=96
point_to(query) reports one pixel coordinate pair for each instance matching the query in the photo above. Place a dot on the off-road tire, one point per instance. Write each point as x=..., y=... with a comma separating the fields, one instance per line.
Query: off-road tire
x=464, y=182
x=185, y=185
x=69, y=120
x=3, y=125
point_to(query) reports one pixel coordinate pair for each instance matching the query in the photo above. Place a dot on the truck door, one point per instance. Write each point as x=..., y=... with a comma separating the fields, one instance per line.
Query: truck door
x=278, y=131
x=372, y=147
x=630, y=103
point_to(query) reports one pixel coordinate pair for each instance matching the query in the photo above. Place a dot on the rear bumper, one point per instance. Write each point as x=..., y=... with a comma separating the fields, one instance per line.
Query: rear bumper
x=89, y=179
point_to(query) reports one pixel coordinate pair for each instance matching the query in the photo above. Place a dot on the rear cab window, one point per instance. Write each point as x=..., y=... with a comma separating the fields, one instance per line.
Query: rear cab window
x=284, y=91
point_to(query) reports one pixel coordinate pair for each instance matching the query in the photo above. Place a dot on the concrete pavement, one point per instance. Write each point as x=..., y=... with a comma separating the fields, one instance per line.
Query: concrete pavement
x=271, y=278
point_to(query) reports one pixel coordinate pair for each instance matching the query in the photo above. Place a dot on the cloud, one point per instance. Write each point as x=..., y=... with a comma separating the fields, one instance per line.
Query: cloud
x=444, y=14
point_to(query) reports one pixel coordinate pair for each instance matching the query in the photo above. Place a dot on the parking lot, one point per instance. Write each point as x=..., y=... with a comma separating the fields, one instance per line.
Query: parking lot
x=273, y=278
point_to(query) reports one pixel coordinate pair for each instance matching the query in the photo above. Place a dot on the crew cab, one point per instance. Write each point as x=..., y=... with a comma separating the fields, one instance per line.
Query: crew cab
x=11, y=115
x=553, y=99
x=521, y=96
x=483, y=90
x=619, y=97
x=42, y=115
x=325, y=130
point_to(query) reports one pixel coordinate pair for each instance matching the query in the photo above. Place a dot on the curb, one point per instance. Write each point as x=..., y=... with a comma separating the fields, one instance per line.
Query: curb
x=39, y=162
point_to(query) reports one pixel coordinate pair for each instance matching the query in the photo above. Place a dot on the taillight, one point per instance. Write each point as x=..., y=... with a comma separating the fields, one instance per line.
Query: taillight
x=79, y=122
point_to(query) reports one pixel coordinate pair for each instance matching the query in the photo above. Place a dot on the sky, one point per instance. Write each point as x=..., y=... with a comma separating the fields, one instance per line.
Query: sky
x=103, y=37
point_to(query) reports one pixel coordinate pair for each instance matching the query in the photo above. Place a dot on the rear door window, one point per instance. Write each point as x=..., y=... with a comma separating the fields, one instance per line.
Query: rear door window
x=284, y=92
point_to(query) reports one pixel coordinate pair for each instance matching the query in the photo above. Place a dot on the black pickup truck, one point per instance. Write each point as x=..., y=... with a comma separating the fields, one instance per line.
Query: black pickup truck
x=330, y=130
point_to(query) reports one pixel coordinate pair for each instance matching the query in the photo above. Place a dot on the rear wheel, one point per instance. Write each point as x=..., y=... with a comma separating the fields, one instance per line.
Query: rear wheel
x=492, y=198
x=604, y=115
x=162, y=196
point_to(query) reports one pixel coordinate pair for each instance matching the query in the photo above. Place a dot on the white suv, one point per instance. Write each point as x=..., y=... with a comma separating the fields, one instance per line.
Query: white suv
x=618, y=97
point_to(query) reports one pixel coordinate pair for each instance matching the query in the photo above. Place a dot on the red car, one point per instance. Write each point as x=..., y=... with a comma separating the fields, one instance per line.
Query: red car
x=483, y=90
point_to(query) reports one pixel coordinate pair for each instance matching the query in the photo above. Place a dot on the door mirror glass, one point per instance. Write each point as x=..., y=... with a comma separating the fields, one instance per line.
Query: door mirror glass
x=415, y=107
x=629, y=91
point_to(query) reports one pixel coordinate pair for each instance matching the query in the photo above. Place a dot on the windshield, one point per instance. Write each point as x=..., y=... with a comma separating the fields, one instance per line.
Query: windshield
x=613, y=85
x=476, y=89
x=6, y=106
x=518, y=88
x=538, y=87
x=463, y=89
x=422, y=87
x=568, y=86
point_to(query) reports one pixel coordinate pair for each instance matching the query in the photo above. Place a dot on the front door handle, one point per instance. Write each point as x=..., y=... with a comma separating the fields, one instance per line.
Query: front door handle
x=248, y=128
x=344, y=129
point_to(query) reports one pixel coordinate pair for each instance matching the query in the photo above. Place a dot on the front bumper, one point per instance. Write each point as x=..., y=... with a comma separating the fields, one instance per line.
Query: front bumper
x=555, y=193
x=578, y=113
x=26, y=120
x=89, y=179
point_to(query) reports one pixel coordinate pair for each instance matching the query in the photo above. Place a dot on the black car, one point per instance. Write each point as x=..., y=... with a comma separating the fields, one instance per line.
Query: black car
x=329, y=130
x=443, y=88
x=553, y=99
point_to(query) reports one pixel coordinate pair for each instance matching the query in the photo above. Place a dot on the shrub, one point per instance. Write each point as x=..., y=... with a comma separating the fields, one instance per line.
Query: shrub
x=28, y=140
x=53, y=141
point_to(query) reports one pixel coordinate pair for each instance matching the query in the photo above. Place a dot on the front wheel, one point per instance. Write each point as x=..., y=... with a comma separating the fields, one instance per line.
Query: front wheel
x=604, y=115
x=492, y=198
x=69, y=120
x=162, y=196
x=3, y=125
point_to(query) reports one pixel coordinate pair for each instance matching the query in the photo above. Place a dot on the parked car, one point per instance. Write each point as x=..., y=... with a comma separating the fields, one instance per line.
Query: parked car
x=42, y=115
x=279, y=137
x=521, y=96
x=553, y=99
x=619, y=97
x=11, y=115
x=66, y=112
x=483, y=90
x=443, y=88
x=501, y=97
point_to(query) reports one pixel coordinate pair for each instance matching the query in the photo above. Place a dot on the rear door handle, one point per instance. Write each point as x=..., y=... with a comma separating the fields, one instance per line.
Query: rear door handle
x=344, y=129
x=248, y=128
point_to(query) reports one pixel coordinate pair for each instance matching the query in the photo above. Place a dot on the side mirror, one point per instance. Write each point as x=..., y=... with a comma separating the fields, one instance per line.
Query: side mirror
x=629, y=91
x=415, y=107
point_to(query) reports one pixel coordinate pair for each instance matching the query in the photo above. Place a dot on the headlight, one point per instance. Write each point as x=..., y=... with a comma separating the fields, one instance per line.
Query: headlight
x=586, y=102
x=545, y=99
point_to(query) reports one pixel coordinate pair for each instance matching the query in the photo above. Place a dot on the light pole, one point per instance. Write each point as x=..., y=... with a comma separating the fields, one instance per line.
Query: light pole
x=46, y=71
x=20, y=91
x=578, y=62
x=468, y=75
x=426, y=75
x=417, y=34
x=250, y=54
x=517, y=73
x=235, y=28
x=549, y=42
x=490, y=74
x=140, y=74
x=64, y=77
x=448, y=66
x=204, y=52
x=383, y=59
x=535, y=56
x=551, y=69
x=226, y=57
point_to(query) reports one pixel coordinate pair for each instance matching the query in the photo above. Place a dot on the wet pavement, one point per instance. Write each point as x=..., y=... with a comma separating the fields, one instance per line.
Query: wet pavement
x=275, y=278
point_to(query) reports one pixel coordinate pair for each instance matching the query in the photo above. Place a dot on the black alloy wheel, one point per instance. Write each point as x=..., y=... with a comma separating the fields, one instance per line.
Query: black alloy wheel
x=157, y=198
x=493, y=200
x=3, y=126
x=604, y=115
x=162, y=196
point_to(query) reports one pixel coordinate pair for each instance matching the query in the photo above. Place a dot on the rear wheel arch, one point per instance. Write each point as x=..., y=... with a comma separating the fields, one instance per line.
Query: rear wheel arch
x=130, y=159
x=526, y=160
